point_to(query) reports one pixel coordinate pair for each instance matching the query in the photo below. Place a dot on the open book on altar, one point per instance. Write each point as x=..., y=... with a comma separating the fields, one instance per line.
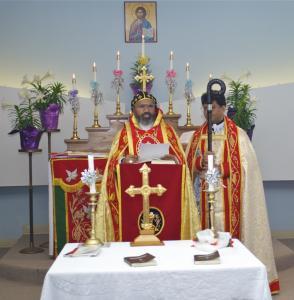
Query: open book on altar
x=84, y=250
x=152, y=152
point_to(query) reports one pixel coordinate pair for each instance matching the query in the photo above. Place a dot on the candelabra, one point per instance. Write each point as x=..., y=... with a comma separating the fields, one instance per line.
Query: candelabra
x=75, y=107
x=117, y=84
x=189, y=98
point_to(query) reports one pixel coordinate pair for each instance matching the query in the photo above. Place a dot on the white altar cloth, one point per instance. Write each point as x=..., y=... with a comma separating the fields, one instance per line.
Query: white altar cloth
x=239, y=276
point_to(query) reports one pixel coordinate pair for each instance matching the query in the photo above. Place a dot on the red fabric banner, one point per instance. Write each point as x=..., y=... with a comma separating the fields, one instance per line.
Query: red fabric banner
x=71, y=215
x=166, y=208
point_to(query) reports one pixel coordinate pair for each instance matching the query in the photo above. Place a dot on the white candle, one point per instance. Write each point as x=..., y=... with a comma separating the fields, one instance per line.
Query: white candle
x=117, y=60
x=187, y=71
x=210, y=162
x=143, y=45
x=91, y=168
x=210, y=168
x=210, y=76
x=94, y=71
x=91, y=162
x=171, y=60
x=73, y=81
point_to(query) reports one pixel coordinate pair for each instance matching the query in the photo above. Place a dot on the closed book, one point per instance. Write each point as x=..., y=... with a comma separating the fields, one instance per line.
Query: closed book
x=207, y=259
x=146, y=259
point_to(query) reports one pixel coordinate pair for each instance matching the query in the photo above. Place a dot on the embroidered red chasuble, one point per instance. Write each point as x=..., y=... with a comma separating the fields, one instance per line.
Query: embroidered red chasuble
x=128, y=141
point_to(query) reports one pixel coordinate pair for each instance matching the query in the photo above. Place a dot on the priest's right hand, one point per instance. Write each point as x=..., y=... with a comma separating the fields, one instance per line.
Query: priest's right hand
x=130, y=159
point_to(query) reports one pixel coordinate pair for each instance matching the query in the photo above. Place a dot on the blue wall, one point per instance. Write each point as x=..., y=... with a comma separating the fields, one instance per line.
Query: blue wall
x=214, y=36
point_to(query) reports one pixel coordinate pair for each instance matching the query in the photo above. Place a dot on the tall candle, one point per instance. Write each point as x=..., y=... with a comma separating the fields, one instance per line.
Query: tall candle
x=210, y=162
x=171, y=60
x=117, y=60
x=74, y=82
x=187, y=71
x=91, y=169
x=210, y=168
x=210, y=76
x=94, y=71
x=143, y=45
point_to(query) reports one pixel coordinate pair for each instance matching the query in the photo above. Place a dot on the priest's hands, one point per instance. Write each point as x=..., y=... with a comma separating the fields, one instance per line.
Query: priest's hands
x=130, y=159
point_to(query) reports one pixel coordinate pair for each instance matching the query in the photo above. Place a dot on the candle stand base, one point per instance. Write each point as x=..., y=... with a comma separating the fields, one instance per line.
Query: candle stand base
x=31, y=250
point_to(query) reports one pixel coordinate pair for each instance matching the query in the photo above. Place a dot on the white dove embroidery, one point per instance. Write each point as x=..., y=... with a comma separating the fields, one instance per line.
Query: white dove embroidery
x=71, y=175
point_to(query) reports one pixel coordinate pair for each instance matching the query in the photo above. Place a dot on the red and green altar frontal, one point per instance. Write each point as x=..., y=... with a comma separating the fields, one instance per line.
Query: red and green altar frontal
x=71, y=215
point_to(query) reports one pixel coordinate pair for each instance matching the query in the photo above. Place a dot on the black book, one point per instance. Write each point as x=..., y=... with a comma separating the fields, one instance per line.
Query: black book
x=141, y=260
x=207, y=259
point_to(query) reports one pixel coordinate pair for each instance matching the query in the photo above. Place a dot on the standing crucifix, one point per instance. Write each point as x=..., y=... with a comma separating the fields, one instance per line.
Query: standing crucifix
x=144, y=78
x=146, y=236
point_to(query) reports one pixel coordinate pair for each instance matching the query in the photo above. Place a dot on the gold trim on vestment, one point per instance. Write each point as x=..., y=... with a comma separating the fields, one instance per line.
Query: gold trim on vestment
x=215, y=137
x=130, y=137
x=183, y=188
x=164, y=133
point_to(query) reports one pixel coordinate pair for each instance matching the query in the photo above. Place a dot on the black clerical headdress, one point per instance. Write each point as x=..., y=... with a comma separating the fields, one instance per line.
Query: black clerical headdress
x=141, y=96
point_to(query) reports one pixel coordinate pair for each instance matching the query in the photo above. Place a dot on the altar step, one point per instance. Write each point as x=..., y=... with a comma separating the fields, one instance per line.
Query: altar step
x=25, y=268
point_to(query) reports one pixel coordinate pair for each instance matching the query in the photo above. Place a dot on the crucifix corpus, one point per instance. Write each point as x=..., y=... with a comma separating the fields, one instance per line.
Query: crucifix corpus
x=147, y=236
x=144, y=78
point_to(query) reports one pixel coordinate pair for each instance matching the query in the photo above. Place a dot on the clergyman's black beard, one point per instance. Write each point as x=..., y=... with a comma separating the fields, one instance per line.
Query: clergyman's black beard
x=146, y=119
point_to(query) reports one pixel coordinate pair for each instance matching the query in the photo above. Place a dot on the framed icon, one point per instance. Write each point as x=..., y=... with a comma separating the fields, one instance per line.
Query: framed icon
x=140, y=19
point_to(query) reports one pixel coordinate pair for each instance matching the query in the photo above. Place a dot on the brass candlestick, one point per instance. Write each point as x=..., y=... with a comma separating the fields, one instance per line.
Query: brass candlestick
x=211, y=201
x=118, y=112
x=93, y=204
x=189, y=123
x=75, y=127
x=96, y=118
x=170, y=105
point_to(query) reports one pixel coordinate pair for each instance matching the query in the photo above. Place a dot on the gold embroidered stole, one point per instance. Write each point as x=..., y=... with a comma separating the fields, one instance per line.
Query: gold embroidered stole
x=232, y=192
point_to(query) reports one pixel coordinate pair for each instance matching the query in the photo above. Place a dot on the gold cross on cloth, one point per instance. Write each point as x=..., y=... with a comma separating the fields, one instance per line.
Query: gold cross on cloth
x=144, y=78
x=145, y=190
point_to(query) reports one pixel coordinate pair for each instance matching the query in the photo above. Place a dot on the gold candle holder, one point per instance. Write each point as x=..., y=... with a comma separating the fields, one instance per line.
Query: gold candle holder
x=93, y=240
x=75, y=127
x=118, y=112
x=189, y=123
x=211, y=201
x=96, y=118
x=170, y=105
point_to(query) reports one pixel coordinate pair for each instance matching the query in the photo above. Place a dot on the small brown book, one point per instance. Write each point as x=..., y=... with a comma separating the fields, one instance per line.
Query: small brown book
x=207, y=259
x=141, y=260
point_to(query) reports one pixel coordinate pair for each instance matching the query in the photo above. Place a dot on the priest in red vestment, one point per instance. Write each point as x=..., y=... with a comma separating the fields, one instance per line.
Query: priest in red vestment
x=240, y=206
x=145, y=125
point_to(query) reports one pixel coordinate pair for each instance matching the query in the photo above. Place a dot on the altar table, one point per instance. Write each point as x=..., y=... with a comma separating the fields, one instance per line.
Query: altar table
x=239, y=276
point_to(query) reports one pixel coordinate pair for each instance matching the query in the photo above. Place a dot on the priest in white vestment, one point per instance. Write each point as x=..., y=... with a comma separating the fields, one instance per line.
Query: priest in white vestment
x=240, y=206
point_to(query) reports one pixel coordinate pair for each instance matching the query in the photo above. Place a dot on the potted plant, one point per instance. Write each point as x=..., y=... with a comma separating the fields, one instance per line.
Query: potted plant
x=241, y=108
x=48, y=99
x=135, y=85
x=27, y=123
